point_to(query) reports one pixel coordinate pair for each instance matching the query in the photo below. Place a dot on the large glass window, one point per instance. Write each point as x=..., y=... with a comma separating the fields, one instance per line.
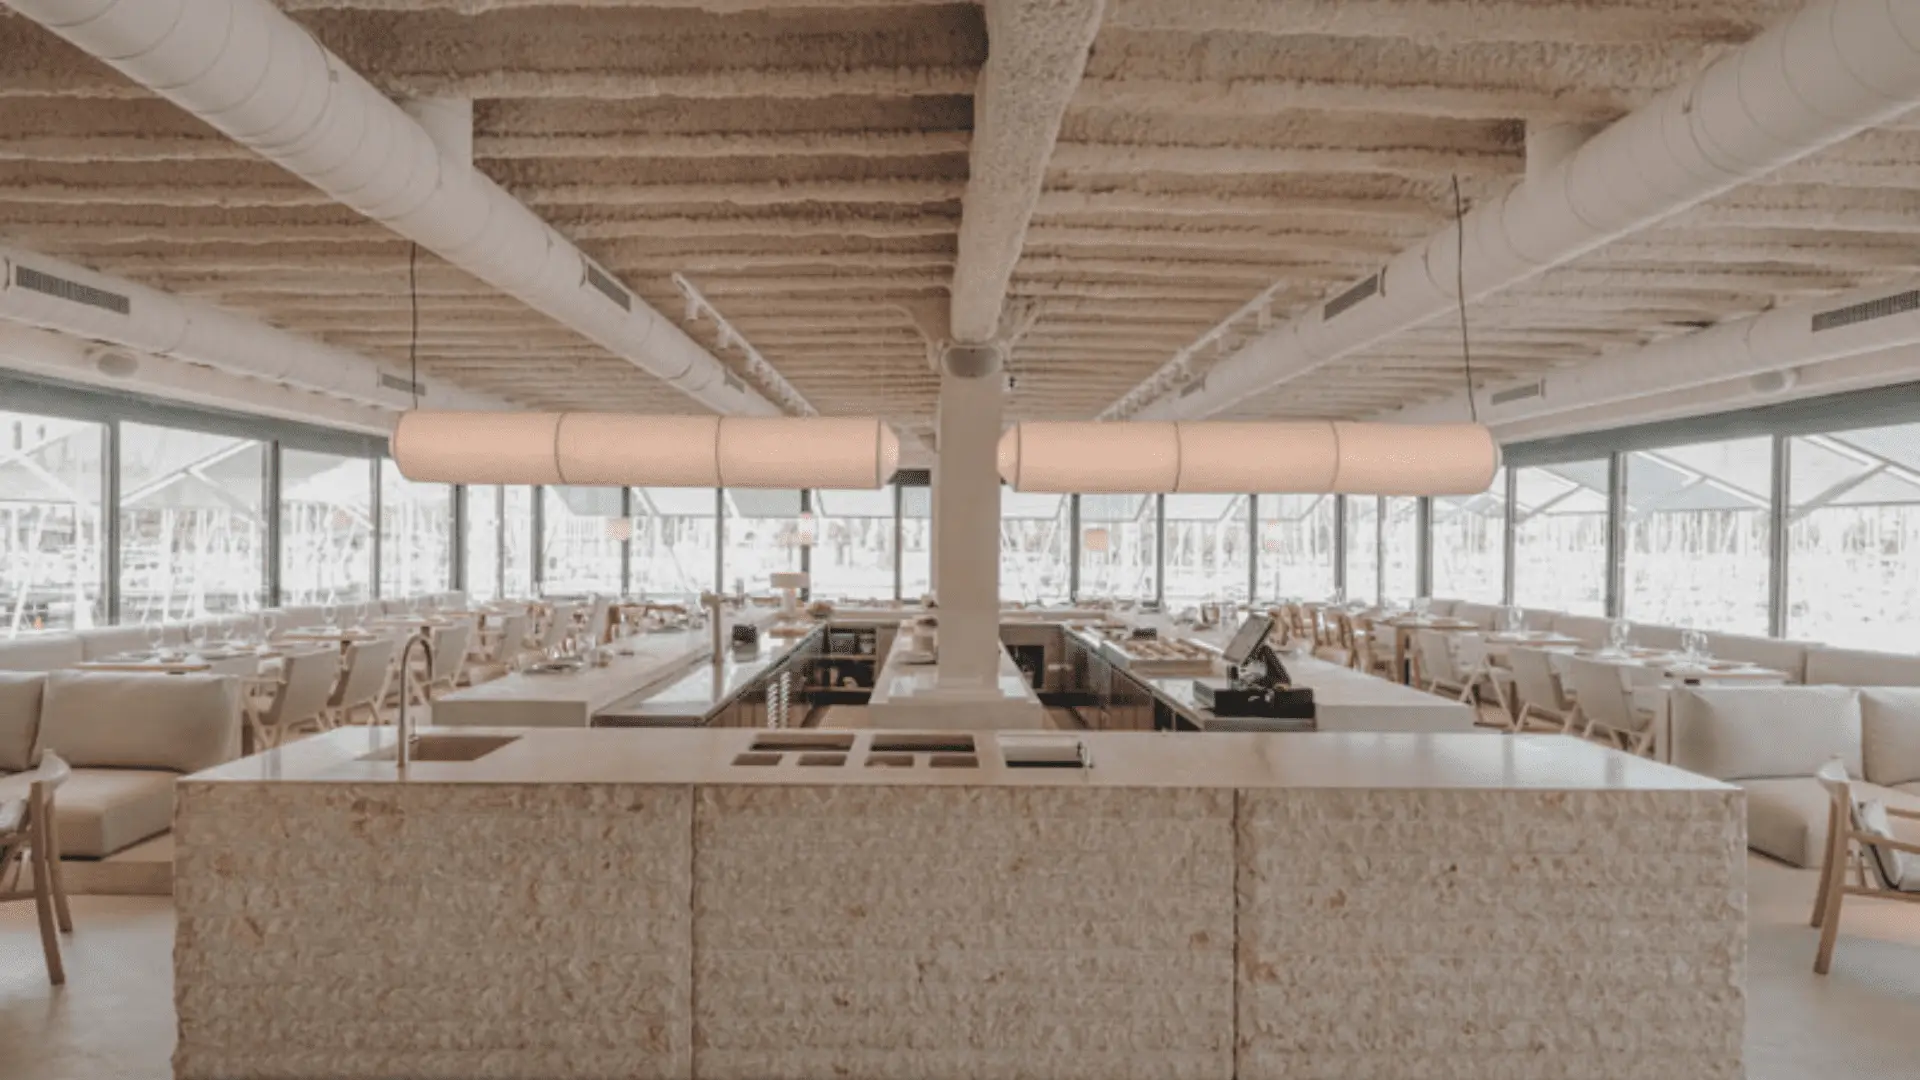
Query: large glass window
x=916, y=542
x=482, y=538
x=1853, y=538
x=1207, y=548
x=1697, y=535
x=1363, y=548
x=763, y=536
x=1469, y=544
x=52, y=549
x=416, y=535
x=1117, y=536
x=193, y=531
x=582, y=541
x=1033, y=546
x=516, y=548
x=853, y=544
x=1296, y=546
x=326, y=528
x=675, y=535
x=1560, y=538
x=1400, y=557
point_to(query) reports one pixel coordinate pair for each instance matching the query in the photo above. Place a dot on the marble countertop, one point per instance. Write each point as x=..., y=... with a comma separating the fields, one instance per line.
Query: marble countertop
x=1121, y=760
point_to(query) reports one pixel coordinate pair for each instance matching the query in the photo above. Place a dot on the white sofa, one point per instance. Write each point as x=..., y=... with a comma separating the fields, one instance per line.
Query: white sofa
x=1769, y=740
x=127, y=737
x=1859, y=667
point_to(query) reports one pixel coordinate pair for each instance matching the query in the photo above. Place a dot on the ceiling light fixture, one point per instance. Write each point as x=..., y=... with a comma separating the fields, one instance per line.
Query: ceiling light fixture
x=756, y=365
x=1311, y=457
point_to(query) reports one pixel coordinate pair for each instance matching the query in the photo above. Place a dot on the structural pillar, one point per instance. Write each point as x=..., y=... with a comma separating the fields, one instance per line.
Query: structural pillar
x=966, y=516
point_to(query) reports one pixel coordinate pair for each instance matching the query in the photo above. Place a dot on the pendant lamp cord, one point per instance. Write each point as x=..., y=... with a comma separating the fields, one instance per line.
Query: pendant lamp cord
x=1460, y=295
x=413, y=333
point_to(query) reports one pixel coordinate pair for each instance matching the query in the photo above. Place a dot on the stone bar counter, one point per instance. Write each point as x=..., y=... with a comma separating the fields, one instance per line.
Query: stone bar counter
x=726, y=903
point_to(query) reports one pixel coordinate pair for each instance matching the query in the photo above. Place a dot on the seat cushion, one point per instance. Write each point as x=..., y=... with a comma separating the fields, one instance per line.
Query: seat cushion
x=1858, y=667
x=1657, y=637
x=112, y=641
x=1484, y=616
x=121, y=720
x=1787, y=656
x=1591, y=630
x=102, y=811
x=1890, y=734
x=1756, y=732
x=20, y=693
x=40, y=652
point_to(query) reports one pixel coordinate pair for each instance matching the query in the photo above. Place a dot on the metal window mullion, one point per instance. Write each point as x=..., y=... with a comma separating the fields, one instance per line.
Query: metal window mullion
x=1423, y=546
x=500, y=541
x=1340, y=544
x=1073, y=563
x=537, y=543
x=720, y=541
x=1380, y=548
x=457, y=540
x=806, y=550
x=110, y=521
x=899, y=538
x=1508, y=541
x=1778, y=541
x=1160, y=550
x=379, y=527
x=1616, y=535
x=1253, y=549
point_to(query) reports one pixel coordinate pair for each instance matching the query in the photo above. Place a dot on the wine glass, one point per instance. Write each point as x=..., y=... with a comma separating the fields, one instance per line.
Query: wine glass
x=1515, y=619
x=1422, y=605
x=197, y=635
x=330, y=612
x=1694, y=644
x=1617, y=633
x=156, y=636
x=269, y=624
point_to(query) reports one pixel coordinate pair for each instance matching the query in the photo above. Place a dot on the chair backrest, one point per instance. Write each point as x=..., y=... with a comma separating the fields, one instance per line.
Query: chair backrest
x=597, y=619
x=513, y=635
x=559, y=625
x=1890, y=867
x=1601, y=690
x=306, y=685
x=1469, y=652
x=1436, y=656
x=1535, y=681
x=367, y=665
x=450, y=649
x=17, y=817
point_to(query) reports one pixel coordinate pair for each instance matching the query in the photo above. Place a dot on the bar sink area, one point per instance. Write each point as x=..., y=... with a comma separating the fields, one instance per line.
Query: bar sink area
x=447, y=747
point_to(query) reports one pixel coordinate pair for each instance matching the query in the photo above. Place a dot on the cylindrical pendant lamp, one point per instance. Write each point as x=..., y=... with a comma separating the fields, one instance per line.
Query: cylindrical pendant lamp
x=612, y=449
x=1314, y=457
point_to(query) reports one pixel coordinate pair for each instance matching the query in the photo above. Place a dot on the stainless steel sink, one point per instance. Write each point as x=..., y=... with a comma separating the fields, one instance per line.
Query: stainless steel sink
x=449, y=747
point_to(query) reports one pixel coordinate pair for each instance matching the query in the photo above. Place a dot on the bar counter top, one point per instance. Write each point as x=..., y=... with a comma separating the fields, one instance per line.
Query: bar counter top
x=1231, y=760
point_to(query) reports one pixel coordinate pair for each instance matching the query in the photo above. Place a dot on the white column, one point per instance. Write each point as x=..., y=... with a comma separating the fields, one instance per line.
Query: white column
x=966, y=519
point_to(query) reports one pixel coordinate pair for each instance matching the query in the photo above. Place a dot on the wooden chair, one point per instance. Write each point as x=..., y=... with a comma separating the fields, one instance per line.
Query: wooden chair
x=1604, y=703
x=1334, y=639
x=503, y=647
x=299, y=699
x=363, y=684
x=30, y=844
x=1538, y=691
x=1858, y=837
x=449, y=662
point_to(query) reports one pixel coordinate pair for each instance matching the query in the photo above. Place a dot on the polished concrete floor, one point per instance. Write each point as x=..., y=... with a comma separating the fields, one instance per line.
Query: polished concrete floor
x=114, y=1019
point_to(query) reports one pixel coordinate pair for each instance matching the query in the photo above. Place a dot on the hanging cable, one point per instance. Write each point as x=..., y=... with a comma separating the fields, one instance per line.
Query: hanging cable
x=1460, y=295
x=413, y=334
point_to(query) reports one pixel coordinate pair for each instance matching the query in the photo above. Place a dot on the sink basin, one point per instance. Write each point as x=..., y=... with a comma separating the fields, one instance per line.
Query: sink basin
x=449, y=747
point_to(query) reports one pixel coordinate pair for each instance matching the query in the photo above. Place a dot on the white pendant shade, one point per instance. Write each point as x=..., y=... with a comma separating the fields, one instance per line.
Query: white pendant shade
x=611, y=449
x=1316, y=457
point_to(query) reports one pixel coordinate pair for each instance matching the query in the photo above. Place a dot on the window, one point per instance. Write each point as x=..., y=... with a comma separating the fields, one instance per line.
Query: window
x=326, y=528
x=416, y=535
x=516, y=549
x=1560, y=542
x=53, y=549
x=193, y=531
x=675, y=537
x=1697, y=535
x=582, y=543
x=1207, y=548
x=483, y=544
x=1400, y=557
x=1296, y=546
x=853, y=544
x=1363, y=548
x=1853, y=538
x=1117, y=535
x=1469, y=544
x=763, y=536
x=916, y=542
x=1033, y=546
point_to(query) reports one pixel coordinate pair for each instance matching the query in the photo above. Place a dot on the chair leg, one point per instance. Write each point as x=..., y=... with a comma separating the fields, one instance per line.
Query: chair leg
x=1835, y=888
x=1826, y=869
x=56, y=876
x=43, y=901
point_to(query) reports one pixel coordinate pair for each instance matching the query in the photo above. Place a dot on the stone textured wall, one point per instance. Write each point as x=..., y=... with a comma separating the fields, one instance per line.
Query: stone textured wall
x=1491, y=935
x=579, y=931
x=432, y=931
x=1037, y=933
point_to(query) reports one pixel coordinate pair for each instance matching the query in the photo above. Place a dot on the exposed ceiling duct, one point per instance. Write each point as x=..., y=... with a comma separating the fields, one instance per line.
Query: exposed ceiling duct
x=256, y=75
x=1834, y=69
x=55, y=295
x=1754, y=348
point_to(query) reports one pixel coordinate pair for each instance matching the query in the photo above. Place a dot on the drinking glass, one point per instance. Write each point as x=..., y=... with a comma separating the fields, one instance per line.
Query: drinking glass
x=329, y=611
x=156, y=636
x=197, y=634
x=1422, y=605
x=269, y=623
x=1617, y=632
x=1516, y=619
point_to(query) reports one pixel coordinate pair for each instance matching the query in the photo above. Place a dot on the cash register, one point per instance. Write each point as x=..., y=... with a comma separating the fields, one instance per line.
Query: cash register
x=1257, y=683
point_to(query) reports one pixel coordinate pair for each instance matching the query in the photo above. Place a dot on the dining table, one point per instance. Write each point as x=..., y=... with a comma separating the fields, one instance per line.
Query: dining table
x=1656, y=673
x=1405, y=626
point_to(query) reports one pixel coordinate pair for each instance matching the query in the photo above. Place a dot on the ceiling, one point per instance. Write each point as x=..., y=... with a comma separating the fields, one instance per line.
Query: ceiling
x=802, y=162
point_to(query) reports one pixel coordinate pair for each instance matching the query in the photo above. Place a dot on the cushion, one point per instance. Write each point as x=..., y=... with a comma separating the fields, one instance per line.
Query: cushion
x=103, y=811
x=138, y=721
x=1539, y=618
x=1590, y=629
x=1748, y=732
x=19, y=718
x=1654, y=636
x=1858, y=667
x=294, y=618
x=1442, y=606
x=40, y=652
x=1787, y=819
x=1787, y=656
x=1890, y=734
x=1485, y=616
x=113, y=640
x=1870, y=817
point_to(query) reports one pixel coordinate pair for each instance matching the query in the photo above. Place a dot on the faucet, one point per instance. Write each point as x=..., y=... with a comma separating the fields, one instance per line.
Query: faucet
x=404, y=752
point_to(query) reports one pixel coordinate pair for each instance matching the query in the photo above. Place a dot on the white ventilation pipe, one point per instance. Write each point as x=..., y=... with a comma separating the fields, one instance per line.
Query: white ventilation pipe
x=1810, y=332
x=56, y=295
x=1834, y=69
x=69, y=359
x=256, y=75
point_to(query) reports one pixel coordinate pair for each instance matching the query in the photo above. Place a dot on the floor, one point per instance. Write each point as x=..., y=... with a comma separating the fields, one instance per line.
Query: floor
x=114, y=1019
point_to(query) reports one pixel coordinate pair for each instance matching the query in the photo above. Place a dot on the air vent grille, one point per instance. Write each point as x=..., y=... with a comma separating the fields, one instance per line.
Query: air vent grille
x=608, y=287
x=914, y=477
x=404, y=386
x=1897, y=304
x=1369, y=287
x=29, y=278
x=1518, y=393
